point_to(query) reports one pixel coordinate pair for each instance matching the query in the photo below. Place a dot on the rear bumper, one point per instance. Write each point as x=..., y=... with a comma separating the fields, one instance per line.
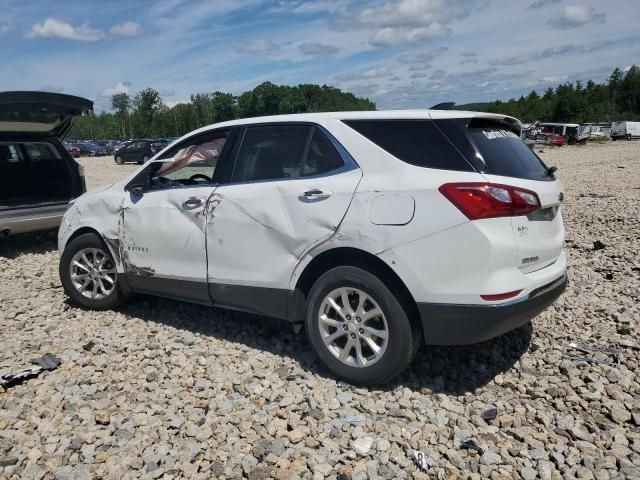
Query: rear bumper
x=448, y=324
x=34, y=219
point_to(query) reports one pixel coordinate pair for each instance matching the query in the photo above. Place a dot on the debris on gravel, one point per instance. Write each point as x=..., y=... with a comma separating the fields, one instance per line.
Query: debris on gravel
x=163, y=389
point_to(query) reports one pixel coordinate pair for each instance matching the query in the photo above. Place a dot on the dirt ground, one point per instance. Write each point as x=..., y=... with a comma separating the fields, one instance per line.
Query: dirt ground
x=164, y=389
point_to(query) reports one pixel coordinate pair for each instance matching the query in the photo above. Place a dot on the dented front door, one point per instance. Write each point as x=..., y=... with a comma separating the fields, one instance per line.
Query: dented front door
x=163, y=242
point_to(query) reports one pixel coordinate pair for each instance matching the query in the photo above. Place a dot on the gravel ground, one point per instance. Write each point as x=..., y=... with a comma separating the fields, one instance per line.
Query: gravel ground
x=163, y=389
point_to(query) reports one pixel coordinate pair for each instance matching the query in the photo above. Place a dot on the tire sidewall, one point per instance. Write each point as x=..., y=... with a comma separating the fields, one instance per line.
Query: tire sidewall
x=400, y=346
x=119, y=160
x=87, y=240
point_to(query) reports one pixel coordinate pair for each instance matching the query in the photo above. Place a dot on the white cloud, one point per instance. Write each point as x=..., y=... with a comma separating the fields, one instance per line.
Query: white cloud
x=393, y=36
x=543, y=3
x=314, y=48
x=5, y=26
x=258, y=46
x=421, y=57
x=576, y=16
x=376, y=72
x=121, y=87
x=126, y=29
x=54, y=28
x=400, y=22
x=554, y=79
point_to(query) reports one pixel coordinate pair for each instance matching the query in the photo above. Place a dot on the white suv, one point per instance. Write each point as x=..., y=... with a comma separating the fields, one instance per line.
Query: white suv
x=377, y=230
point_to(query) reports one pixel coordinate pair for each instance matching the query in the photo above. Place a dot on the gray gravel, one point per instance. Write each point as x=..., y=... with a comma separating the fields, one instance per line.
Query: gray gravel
x=171, y=390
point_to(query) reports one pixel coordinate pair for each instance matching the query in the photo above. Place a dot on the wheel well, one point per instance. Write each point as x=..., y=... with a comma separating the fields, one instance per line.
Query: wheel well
x=82, y=231
x=356, y=258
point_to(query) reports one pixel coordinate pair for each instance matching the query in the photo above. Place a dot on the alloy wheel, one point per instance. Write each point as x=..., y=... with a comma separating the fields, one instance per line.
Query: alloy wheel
x=353, y=327
x=93, y=273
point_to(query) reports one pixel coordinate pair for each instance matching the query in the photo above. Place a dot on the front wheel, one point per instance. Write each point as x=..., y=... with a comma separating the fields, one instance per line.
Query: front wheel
x=629, y=137
x=119, y=160
x=358, y=327
x=88, y=274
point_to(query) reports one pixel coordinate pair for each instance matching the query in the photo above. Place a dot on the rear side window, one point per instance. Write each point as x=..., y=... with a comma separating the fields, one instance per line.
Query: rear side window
x=9, y=153
x=418, y=142
x=505, y=154
x=41, y=152
x=278, y=152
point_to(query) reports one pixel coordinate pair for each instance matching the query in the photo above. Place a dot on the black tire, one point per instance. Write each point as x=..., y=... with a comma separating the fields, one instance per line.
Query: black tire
x=403, y=339
x=119, y=160
x=87, y=241
x=629, y=137
x=145, y=159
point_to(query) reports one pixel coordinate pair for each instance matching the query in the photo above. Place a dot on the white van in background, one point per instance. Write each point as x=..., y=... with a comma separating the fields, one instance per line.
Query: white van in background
x=626, y=130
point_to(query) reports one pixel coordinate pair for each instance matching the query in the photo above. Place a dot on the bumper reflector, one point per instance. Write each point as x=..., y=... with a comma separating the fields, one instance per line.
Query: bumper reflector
x=500, y=296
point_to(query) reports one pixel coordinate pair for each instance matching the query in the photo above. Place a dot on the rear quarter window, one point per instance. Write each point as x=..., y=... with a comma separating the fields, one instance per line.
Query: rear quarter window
x=417, y=142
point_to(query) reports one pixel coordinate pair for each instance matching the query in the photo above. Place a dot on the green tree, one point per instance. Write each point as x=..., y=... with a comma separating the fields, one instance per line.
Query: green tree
x=121, y=103
x=145, y=105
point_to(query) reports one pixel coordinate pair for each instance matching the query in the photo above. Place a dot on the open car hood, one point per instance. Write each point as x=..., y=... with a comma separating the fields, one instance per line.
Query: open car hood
x=40, y=112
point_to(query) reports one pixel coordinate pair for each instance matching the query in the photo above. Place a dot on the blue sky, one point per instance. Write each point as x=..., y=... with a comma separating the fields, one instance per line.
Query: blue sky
x=399, y=53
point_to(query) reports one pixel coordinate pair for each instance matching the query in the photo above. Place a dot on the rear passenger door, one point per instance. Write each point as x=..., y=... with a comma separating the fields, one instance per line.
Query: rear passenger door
x=287, y=191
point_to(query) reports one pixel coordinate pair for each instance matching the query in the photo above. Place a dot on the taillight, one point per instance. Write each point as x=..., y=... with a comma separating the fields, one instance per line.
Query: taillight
x=490, y=200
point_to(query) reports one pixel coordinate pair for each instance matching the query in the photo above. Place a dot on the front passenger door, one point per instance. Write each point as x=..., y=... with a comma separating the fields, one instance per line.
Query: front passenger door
x=163, y=231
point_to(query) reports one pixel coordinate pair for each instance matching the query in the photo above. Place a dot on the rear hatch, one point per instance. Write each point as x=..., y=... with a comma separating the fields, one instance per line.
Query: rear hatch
x=494, y=147
x=41, y=113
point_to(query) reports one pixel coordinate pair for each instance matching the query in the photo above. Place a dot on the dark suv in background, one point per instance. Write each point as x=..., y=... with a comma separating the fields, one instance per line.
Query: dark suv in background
x=38, y=176
x=139, y=151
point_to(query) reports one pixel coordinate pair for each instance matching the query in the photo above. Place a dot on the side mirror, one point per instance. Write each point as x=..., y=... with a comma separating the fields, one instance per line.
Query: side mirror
x=137, y=190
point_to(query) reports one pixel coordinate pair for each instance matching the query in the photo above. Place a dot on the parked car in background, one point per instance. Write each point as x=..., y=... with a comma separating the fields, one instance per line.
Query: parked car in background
x=139, y=151
x=108, y=145
x=38, y=176
x=379, y=231
x=628, y=130
x=570, y=131
x=90, y=149
x=73, y=151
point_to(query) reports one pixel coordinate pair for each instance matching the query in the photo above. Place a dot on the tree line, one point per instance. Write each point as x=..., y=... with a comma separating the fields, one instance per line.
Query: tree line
x=146, y=115
x=616, y=99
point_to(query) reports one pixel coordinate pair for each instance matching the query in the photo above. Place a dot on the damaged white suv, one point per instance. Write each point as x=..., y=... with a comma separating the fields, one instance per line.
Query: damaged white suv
x=379, y=231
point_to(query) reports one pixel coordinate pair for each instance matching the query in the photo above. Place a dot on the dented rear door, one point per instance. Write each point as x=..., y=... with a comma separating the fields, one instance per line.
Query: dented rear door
x=290, y=189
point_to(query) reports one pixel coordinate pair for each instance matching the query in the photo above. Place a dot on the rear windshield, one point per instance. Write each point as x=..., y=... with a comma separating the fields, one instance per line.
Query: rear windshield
x=505, y=154
x=418, y=142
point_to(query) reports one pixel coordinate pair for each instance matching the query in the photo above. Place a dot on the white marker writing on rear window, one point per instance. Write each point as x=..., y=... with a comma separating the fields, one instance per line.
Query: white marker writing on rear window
x=493, y=134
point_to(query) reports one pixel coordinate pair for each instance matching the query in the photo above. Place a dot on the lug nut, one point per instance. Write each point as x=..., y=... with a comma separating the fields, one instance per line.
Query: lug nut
x=345, y=327
x=358, y=319
x=361, y=330
x=348, y=317
x=353, y=335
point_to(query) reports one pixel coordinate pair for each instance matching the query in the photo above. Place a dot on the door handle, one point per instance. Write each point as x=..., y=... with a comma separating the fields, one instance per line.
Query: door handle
x=315, y=194
x=192, y=203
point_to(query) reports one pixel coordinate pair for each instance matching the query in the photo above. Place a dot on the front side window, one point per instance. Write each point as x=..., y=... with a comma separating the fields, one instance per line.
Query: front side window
x=280, y=152
x=193, y=162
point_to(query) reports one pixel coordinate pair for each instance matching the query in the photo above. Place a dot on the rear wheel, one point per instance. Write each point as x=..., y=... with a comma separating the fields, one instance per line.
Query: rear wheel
x=629, y=136
x=119, y=160
x=88, y=273
x=145, y=159
x=358, y=327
